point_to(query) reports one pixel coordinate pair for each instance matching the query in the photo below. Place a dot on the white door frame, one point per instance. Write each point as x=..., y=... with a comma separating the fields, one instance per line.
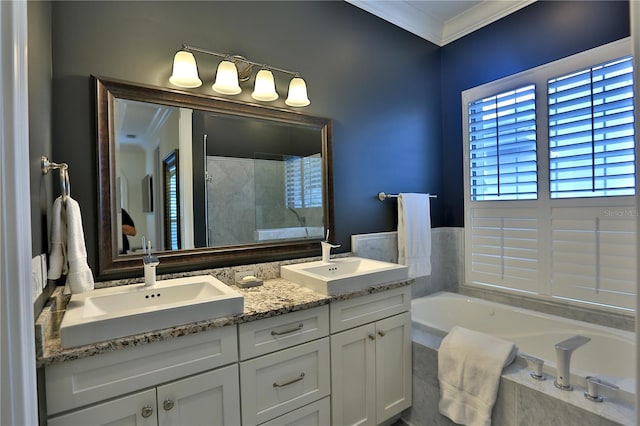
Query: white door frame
x=18, y=389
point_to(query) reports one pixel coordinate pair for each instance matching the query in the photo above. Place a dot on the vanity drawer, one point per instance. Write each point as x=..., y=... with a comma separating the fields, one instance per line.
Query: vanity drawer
x=315, y=414
x=278, y=383
x=281, y=332
x=350, y=313
x=80, y=382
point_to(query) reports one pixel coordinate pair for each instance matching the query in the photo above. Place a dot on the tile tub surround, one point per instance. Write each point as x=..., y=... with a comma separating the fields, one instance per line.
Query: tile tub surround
x=521, y=401
x=447, y=257
x=277, y=296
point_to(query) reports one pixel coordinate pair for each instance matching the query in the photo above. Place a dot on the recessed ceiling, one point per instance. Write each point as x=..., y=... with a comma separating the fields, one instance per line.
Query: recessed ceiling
x=441, y=21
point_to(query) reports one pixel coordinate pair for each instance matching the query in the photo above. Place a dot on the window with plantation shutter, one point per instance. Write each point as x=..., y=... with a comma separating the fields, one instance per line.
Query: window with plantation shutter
x=550, y=172
x=303, y=181
x=591, y=141
x=171, y=202
x=502, y=139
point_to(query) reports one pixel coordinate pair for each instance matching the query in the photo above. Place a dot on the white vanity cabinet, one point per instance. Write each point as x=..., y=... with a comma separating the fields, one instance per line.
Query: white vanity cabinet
x=284, y=368
x=179, y=381
x=208, y=398
x=341, y=363
x=370, y=357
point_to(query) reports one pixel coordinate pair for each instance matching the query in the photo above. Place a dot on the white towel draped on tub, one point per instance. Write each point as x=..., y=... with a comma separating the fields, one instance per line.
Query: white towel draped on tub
x=414, y=233
x=68, y=253
x=470, y=364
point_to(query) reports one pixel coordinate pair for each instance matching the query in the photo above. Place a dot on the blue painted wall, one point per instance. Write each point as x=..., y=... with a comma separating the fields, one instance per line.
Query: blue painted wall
x=379, y=84
x=537, y=34
x=394, y=97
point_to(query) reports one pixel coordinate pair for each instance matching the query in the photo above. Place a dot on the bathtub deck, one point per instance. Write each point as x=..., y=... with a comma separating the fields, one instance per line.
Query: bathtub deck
x=521, y=400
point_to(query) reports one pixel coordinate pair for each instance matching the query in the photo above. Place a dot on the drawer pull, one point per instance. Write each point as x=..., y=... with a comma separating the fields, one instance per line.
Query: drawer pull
x=381, y=333
x=290, y=382
x=167, y=404
x=147, y=411
x=372, y=336
x=291, y=330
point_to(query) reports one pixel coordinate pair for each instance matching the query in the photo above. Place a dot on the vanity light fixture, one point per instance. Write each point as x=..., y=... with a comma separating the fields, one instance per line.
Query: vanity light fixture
x=233, y=69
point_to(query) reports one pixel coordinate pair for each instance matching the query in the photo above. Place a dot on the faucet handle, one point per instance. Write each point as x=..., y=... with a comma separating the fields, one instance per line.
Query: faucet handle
x=148, y=258
x=593, y=388
x=536, y=364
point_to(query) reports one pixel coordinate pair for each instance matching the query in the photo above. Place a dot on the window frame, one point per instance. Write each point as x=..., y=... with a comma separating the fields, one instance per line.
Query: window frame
x=544, y=204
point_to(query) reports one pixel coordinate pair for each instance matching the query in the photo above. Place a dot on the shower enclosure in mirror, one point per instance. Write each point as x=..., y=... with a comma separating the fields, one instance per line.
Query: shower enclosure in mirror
x=210, y=182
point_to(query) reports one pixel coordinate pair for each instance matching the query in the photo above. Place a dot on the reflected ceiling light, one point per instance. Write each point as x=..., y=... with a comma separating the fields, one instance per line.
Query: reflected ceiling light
x=185, y=70
x=231, y=70
x=265, y=87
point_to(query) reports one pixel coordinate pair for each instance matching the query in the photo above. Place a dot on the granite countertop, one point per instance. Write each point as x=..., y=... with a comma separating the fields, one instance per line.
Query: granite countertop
x=275, y=297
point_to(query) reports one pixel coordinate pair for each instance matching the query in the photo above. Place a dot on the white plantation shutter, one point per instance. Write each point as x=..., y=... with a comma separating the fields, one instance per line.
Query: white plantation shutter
x=502, y=146
x=504, y=247
x=293, y=182
x=591, y=139
x=594, y=255
x=573, y=235
x=313, y=181
x=303, y=181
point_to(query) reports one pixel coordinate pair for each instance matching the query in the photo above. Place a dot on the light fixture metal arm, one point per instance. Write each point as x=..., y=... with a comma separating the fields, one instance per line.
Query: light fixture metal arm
x=189, y=48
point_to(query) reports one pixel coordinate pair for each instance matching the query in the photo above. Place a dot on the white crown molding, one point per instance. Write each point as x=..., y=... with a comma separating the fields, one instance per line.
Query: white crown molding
x=403, y=14
x=406, y=15
x=479, y=16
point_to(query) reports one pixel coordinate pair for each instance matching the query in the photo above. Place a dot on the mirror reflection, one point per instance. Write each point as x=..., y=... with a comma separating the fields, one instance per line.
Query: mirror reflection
x=207, y=179
x=250, y=179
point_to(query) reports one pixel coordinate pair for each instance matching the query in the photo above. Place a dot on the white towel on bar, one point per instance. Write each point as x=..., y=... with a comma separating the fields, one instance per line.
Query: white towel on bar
x=58, y=241
x=470, y=364
x=68, y=253
x=414, y=233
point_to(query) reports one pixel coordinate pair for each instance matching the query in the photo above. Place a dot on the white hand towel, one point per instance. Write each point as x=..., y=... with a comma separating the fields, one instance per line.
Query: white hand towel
x=58, y=241
x=414, y=233
x=80, y=277
x=470, y=364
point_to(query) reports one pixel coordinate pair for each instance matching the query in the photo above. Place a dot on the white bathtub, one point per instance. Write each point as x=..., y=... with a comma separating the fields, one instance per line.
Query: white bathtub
x=609, y=355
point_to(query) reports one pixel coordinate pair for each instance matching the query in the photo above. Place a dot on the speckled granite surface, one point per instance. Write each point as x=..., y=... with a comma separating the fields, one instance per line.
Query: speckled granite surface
x=276, y=297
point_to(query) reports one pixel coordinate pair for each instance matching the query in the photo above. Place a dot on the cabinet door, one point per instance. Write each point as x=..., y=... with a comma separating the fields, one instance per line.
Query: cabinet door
x=138, y=409
x=211, y=398
x=393, y=366
x=353, y=376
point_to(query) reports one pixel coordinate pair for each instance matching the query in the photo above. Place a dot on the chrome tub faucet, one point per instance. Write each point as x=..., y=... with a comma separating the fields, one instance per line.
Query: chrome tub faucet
x=564, y=350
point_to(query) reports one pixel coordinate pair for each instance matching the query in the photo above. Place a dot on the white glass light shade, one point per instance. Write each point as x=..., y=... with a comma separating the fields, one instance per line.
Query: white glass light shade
x=185, y=70
x=227, y=79
x=265, y=87
x=297, y=93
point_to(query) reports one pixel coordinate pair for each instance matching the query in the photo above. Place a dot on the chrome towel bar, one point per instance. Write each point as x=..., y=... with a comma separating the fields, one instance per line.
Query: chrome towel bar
x=46, y=166
x=383, y=196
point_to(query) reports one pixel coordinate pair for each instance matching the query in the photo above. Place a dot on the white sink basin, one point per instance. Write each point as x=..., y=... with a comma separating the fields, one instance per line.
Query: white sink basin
x=121, y=311
x=343, y=275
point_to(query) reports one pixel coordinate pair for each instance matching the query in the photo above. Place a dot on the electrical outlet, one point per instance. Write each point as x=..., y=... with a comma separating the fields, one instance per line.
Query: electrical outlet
x=43, y=262
x=241, y=274
x=36, y=277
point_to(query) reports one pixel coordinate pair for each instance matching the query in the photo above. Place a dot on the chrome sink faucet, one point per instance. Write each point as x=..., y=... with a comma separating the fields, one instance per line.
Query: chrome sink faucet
x=326, y=248
x=149, y=262
x=564, y=350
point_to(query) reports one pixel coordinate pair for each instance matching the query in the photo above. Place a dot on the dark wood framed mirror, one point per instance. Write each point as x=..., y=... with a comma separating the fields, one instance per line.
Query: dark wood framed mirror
x=253, y=183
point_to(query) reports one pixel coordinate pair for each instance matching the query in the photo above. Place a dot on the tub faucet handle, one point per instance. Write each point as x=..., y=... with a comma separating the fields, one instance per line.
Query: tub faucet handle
x=593, y=388
x=536, y=366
